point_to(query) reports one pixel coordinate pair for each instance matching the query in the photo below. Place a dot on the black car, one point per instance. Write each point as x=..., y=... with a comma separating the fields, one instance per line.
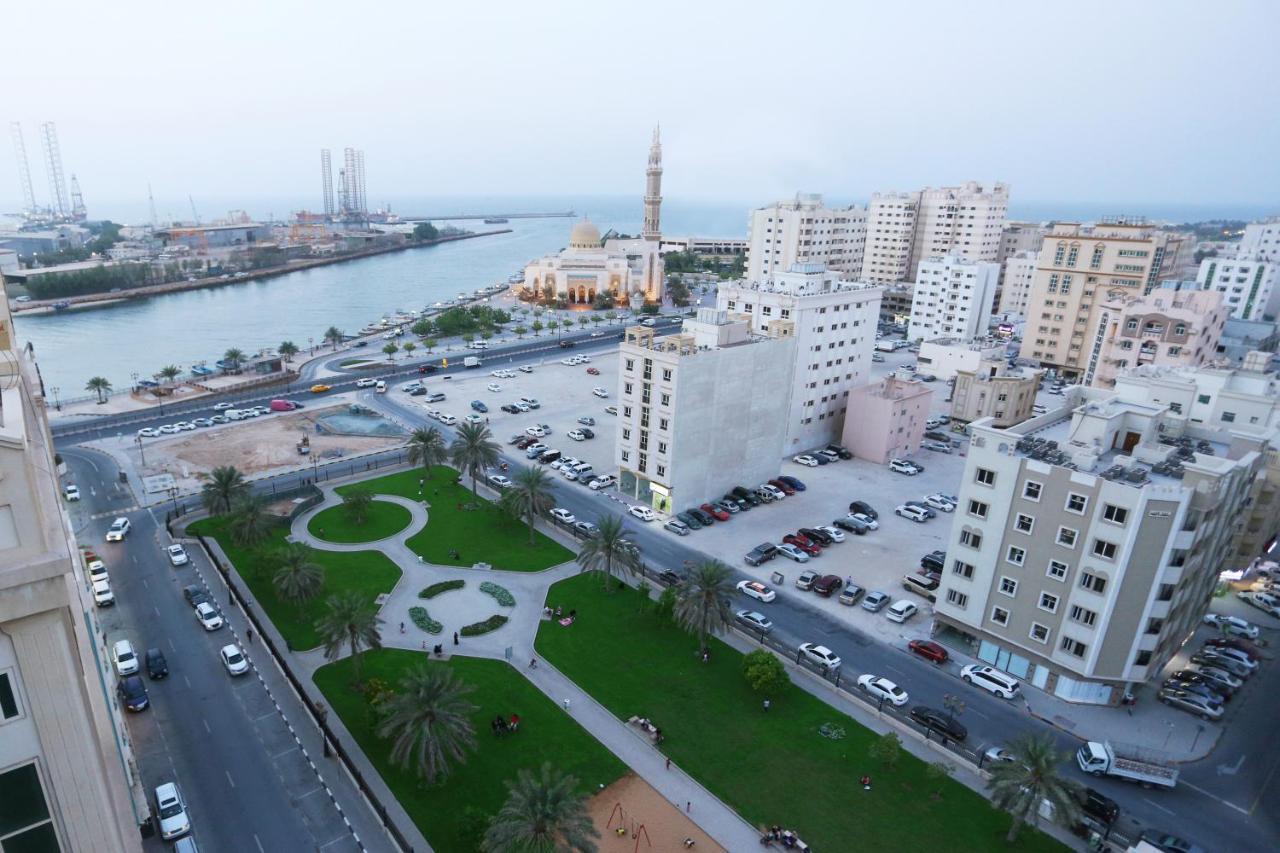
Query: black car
x=428, y=368
x=821, y=536
x=934, y=561
x=840, y=450
x=690, y=520
x=864, y=508
x=746, y=494
x=1198, y=687
x=157, y=667
x=932, y=718
x=567, y=344
x=133, y=693
x=706, y=518
x=669, y=577
x=586, y=432
x=1099, y=806
x=195, y=595
x=479, y=406
x=510, y=409
x=855, y=527
x=418, y=392
x=762, y=553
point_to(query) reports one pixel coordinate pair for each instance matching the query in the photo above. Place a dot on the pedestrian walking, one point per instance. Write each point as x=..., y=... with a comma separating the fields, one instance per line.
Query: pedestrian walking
x=866, y=782
x=688, y=805
x=566, y=704
x=249, y=633
x=401, y=627
x=533, y=663
x=668, y=763
x=455, y=638
x=766, y=706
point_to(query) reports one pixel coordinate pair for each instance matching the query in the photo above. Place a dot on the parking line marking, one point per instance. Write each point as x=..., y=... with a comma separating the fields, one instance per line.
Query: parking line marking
x=233, y=781
x=206, y=725
x=187, y=680
x=259, y=843
x=1157, y=805
x=1200, y=790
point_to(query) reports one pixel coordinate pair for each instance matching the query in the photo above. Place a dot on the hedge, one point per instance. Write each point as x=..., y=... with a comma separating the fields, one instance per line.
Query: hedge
x=475, y=629
x=424, y=621
x=444, y=586
x=505, y=598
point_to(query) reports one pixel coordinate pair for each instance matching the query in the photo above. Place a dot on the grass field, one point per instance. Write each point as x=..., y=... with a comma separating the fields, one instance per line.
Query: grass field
x=448, y=813
x=370, y=572
x=771, y=767
x=384, y=519
x=480, y=535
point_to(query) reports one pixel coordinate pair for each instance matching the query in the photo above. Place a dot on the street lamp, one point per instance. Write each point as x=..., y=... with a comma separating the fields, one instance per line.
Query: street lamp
x=57, y=405
x=138, y=440
x=134, y=376
x=173, y=496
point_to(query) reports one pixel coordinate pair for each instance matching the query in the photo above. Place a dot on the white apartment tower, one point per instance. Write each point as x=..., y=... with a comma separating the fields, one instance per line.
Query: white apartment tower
x=1261, y=240
x=1015, y=282
x=1249, y=284
x=804, y=231
x=952, y=298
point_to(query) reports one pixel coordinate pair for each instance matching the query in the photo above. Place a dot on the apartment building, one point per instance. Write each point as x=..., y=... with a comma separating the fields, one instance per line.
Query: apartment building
x=67, y=774
x=1261, y=240
x=944, y=358
x=997, y=391
x=1088, y=540
x=952, y=298
x=1174, y=325
x=1015, y=282
x=895, y=303
x=805, y=231
x=1079, y=267
x=891, y=418
x=1242, y=337
x=1249, y=284
x=905, y=228
x=1018, y=237
x=698, y=411
x=835, y=329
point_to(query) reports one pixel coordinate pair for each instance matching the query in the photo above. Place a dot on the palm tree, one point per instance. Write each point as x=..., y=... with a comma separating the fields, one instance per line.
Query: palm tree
x=430, y=719
x=529, y=496
x=226, y=483
x=353, y=622
x=99, y=385
x=234, y=357
x=427, y=448
x=609, y=549
x=169, y=372
x=333, y=336
x=702, y=600
x=391, y=349
x=1020, y=786
x=298, y=577
x=409, y=347
x=473, y=450
x=287, y=350
x=542, y=812
x=249, y=523
x=585, y=321
x=356, y=504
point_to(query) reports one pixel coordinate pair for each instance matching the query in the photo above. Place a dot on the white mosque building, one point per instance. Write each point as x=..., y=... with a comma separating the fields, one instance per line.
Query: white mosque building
x=630, y=269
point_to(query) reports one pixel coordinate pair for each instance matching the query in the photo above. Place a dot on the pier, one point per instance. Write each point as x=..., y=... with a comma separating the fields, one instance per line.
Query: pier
x=567, y=214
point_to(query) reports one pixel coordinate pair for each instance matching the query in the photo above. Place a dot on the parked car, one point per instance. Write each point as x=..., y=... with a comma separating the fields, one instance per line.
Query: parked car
x=754, y=620
x=171, y=810
x=991, y=679
x=124, y=658
x=874, y=601
x=806, y=579
x=850, y=594
x=102, y=594
x=1186, y=700
x=912, y=513
x=793, y=482
x=643, y=513
x=71, y=492
x=821, y=655
x=563, y=515
x=1206, y=658
x=929, y=650
x=1200, y=687
x=195, y=594
x=600, y=392
x=936, y=446
x=934, y=561
x=1240, y=643
x=602, y=482
x=1223, y=681
x=177, y=555
x=871, y=523
x=840, y=450
x=1232, y=654
x=157, y=666
x=786, y=488
x=803, y=543
x=1232, y=625
x=577, y=435
x=677, y=527
x=806, y=460
x=208, y=616
x=882, y=689
x=757, y=590
x=233, y=659
x=714, y=511
x=1168, y=843
x=863, y=508
x=939, y=502
x=1266, y=602
x=940, y=722
x=770, y=492
x=827, y=585
x=1099, y=806
x=901, y=610
x=133, y=693
x=762, y=553
x=900, y=466
x=585, y=529
x=852, y=525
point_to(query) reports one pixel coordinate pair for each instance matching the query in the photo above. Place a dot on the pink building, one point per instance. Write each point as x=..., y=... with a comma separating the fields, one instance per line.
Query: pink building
x=886, y=419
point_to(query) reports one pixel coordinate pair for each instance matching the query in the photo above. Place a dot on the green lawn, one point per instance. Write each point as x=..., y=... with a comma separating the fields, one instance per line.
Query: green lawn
x=446, y=813
x=384, y=519
x=771, y=767
x=371, y=572
x=482, y=535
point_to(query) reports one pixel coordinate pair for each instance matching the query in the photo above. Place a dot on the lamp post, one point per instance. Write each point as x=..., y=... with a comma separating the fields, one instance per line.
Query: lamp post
x=56, y=404
x=134, y=377
x=173, y=496
x=138, y=440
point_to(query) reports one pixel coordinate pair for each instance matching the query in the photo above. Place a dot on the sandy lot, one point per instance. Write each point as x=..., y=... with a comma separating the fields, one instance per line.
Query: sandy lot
x=631, y=803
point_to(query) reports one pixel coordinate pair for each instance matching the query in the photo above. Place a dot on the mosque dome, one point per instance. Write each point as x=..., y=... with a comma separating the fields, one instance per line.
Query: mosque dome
x=585, y=235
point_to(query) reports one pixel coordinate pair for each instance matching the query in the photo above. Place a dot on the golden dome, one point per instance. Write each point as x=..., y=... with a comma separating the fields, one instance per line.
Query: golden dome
x=585, y=235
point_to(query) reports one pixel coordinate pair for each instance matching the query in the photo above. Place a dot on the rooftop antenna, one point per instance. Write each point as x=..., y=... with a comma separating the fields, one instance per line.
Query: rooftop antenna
x=24, y=168
x=151, y=199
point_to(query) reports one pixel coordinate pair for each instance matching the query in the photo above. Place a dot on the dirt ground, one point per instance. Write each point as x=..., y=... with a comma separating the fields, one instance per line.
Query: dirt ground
x=665, y=825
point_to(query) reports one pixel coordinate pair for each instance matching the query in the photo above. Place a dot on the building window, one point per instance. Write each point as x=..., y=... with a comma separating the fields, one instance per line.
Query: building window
x=664, y=424
x=666, y=374
x=1000, y=616
x=959, y=599
x=1092, y=582
x=631, y=364
x=626, y=455
x=1067, y=537
x=662, y=470
x=1103, y=548
x=9, y=709
x=665, y=399
x=626, y=411
x=1143, y=658
x=1031, y=490
x=662, y=447
x=1024, y=523
x=1008, y=586
x=963, y=569
x=1076, y=503
x=1057, y=570
x=1016, y=555
x=1083, y=615
x=1202, y=398
x=971, y=538
x=985, y=476
x=626, y=433
x=1049, y=602
x=1228, y=417
x=25, y=823
x=1073, y=647
x=1115, y=514
x=978, y=509
x=1039, y=633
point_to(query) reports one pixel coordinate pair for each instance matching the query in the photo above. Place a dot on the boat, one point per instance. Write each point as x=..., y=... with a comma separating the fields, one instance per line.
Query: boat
x=200, y=370
x=495, y=220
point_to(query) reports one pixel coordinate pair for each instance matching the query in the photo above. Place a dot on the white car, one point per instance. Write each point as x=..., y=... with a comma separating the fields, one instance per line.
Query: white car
x=757, y=590
x=755, y=620
x=473, y=418
x=434, y=414
x=525, y=368
x=563, y=515
x=991, y=679
x=71, y=492
x=576, y=435
x=939, y=502
x=170, y=429
x=233, y=659
x=521, y=407
x=599, y=392
x=447, y=420
x=118, y=530
x=410, y=387
x=208, y=616
x=903, y=467
x=177, y=555
x=172, y=811
x=565, y=462
x=1232, y=625
x=367, y=382
x=883, y=688
x=643, y=513
x=535, y=431
x=499, y=481
x=914, y=513
x=185, y=426
x=1264, y=601
x=602, y=482
x=148, y=432
x=222, y=407
x=97, y=571
x=836, y=534
x=124, y=658
x=494, y=386
x=901, y=610
x=863, y=518
x=790, y=551
x=569, y=362
x=936, y=446
x=611, y=410
x=806, y=460
x=102, y=594
x=820, y=655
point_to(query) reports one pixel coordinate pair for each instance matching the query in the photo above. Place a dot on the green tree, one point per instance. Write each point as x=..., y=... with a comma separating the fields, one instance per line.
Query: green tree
x=486, y=335
x=886, y=749
x=1020, y=786
x=287, y=350
x=99, y=385
x=596, y=319
x=939, y=772
x=543, y=812
x=473, y=450
x=298, y=578
x=429, y=719
x=425, y=231
x=427, y=448
x=226, y=483
x=521, y=331
x=703, y=605
x=765, y=673
x=584, y=321
x=248, y=522
x=422, y=327
x=529, y=496
x=552, y=325
x=356, y=504
x=351, y=623
x=409, y=347
x=234, y=357
x=468, y=338
x=333, y=336
x=610, y=550
x=391, y=349
x=430, y=344
x=169, y=372
x=536, y=325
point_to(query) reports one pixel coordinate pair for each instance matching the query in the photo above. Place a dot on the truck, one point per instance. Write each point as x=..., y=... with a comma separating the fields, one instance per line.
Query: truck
x=471, y=361
x=886, y=346
x=1126, y=762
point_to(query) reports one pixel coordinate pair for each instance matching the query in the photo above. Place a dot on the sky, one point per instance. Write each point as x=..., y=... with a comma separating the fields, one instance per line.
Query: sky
x=1129, y=102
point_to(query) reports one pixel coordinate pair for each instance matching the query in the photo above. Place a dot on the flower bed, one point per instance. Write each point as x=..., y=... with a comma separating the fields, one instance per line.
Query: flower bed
x=444, y=586
x=475, y=629
x=424, y=621
x=500, y=593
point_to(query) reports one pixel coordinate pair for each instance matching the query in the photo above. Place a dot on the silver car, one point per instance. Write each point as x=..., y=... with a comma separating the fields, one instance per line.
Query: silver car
x=754, y=620
x=875, y=601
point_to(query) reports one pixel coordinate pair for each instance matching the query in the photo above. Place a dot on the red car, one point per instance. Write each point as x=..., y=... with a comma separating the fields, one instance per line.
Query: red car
x=593, y=371
x=929, y=650
x=803, y=543
x=782, y=485
x=720, y=515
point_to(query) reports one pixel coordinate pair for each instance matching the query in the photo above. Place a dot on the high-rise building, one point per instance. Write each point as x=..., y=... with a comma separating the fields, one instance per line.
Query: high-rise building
x=68, y=780
x=1249, y=284
x=1015, y=282
x=1174, y=325
x=804, y=231
x=326, y=181
x=1261, y=240
x=1018, y=237
x=952, y=298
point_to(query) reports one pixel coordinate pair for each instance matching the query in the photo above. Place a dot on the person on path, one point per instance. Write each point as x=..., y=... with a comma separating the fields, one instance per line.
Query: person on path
x=401, y=627
x=566, y=704
x=668, y=763
x=766, y=706
x=249, y=633
x=533, y=663
x=866, y=782
x=455, y=638
x=688, y=806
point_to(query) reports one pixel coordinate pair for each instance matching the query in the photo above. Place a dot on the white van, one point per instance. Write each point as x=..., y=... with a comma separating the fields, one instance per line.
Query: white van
x=381, y=387
x=991, y=679
x=479, y=345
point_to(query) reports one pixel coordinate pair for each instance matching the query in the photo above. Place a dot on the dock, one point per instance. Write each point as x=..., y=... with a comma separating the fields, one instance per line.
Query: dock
x=565, y=214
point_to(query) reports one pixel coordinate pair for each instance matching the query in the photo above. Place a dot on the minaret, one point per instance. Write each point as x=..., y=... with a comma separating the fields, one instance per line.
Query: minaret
x=653, y=191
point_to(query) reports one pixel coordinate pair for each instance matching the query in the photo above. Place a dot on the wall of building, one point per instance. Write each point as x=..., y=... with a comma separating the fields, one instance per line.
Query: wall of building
x=993, y=391
x=804, y=230
x=1171, y=326
x=890, y=419
x=1249, y=287
x=1015, y=282
x=942, y=359
x=952, y=298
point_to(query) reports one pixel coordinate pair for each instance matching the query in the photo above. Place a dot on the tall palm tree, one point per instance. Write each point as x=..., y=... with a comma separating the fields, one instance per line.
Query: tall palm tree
x=235, y=357
x=542, y=812
x=249, y=523
x=298, y=577
x=427, y=448
x=529, y=496
x=609, y=550
x=430, y=719
x=169, y=372
x=473, y=450
x=333, y=336
x=702, y=600
x=352, y=623
x=99, y=385
x=287, y=350
x=1020, y=786
x=225, y=484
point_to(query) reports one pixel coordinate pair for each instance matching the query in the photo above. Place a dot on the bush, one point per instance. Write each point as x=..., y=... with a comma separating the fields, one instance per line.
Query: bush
x=424, y=621
x=437, y=588
x=475, y=629
x=667, y=602
x=764, y=672
x=506, y=599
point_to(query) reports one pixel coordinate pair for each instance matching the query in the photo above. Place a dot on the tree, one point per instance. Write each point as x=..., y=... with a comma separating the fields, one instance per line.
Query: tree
x=521, y=331
x=425, y=231
x=287, y=350
x=764, y=672
x=1019, y=787
x=226, y=483
x=604, y=301
x=234, y=357
x=486, y=335
x=536, y=325
x=430, y=344
x=421, y=328
x=427, y=448
x=586, y=321
x=169, y=372
x=596, y=319
x=609, y=550
x=409, y=347
x=468, y=338
x=248, y=522
x=351, y=623
x=473, y=450
x=529, y=496
x=939, y=772
x=356, y=504
x=298, y=578
x=552, y=325
x=703, y=604
x=333, y=336
x=99, y=385
x=391, y=349
x=886, y=749
x=543, y=812
x=678, y=291
x=429, y=719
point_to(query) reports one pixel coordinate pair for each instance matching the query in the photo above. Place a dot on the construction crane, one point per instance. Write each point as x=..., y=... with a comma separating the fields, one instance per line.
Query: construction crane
x=24, y=168
x=193, y=208
x=53, y=167
x=78, y=211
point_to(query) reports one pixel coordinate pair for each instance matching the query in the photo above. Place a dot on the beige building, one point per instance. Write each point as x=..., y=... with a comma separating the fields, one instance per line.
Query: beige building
x=805, y=231
x=67, y=774
x=1019, y=237
x=1016, y=275
x=890, y=421
x=1174, y=326
x=995, y=390
x=1079, y=268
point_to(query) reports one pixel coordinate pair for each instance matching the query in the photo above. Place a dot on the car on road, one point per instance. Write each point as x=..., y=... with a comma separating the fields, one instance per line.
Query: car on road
x=754, y=620
x=936, y=446
x=929, y=650
x=850, y=594
x=124, y=657
x=603, y=482
x=912, y=513
x=587, y=421
x=939, y=502
x=901, y=610
x=883, y=689
x=901, y=466
x=762, y=553
x=643, y=513
x=676, y=526
x=148, y=432
x=71, y=492
x=102, y=594
x=320, y=388
x=177, y=555
x=498, y=481
x=118, y=530
x=171, y=810
x=1168, y=843
x=806, y=460
x=991, y=680
x=821, y=655
x=867, y=520
x=611, y=410
x=222, y=407
x=133, y=693
x=157, y=666
x=194, y=594
x=366, y=382
x=940, y=722
x=233, y=659
x=999, y=753
x=757, y=590
x=1185, y=700
x=208, y=616
x=874, y=601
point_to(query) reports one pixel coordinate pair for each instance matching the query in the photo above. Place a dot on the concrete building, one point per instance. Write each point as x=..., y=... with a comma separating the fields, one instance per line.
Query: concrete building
x=1079, y=267
x=1004, y=394
x=1088, y=540
x=835, y=327
x=952, y=298
x=32, y=244
x=203, y=237
x=804, y=231
x=1241, y=337
x=1019, y=237
x=67, y=775
x=890, y=421
x=722, y=249
x=1249, y=285
x=588, y=268
x=943, y=358
x=698, y=410
x=1261, y=240
x=1174, y=325
x=1015, y=283
x=8, y=262
x=895, y=303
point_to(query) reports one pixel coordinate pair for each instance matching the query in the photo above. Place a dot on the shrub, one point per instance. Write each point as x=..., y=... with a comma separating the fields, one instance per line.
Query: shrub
x=475, y=629
x=500, y=593
x=437, y=588
x=424, y=621
x=764, y=672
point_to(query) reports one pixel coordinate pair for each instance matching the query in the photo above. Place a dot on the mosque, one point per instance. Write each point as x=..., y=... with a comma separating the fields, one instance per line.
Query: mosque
x=630, y=269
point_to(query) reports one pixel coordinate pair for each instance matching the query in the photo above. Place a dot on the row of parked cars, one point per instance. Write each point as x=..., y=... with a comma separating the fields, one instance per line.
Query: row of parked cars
x=737, y=500
x=1219, y=669
x=825, y=456
x=227, y=415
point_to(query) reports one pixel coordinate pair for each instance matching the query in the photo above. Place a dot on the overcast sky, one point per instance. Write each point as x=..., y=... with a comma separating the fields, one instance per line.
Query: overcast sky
x=1108, y=102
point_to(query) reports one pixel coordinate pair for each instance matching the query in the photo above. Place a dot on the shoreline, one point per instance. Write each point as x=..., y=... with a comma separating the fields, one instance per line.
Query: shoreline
x=95, y=300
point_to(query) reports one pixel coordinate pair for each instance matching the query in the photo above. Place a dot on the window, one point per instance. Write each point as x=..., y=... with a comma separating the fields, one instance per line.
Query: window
x=666, y=374
x=626, y=433
x=972, y=538
x=1105, y=549
x=1039, y=633
x=626, y=388
x=1016, y=555
x=662, y=470
x=1202, y=398
x=1228, y=417
x=1114, y=514
x=1082, y=615
x=1073, y=647
x=978, y=509
x=1067, y=537
x=631, y=364
x=1024, y=523
x=1000, y=616
x=1057, y=570
x=1092, y=582
x=985, y=477
x=959, y=599
x=666, y=399
x=664, y=424
x=9, y=709
x=1008, y=586
x=1049, y=602
x=1076, y=503
x=963, y=569
x=1031, y=490
x=25, y=823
